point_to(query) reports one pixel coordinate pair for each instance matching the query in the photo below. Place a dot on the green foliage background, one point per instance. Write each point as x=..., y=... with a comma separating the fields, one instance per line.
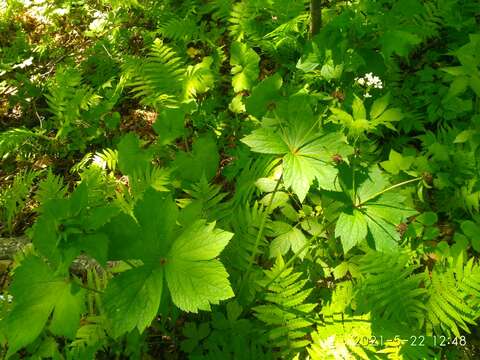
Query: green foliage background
x=207, y=179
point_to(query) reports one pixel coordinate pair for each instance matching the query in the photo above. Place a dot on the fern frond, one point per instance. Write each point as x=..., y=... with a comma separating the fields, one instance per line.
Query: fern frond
x=89, y=339
x=381, y=290
x=14, y=197
x=159, y=79
x=15, y=140
x=220, y=9
x=50, y=188
x=453, y=297
x=286, y=313
x=67, y=98
x=245, y=227
x=175, y=28
x=107, y=158
x=205, y=200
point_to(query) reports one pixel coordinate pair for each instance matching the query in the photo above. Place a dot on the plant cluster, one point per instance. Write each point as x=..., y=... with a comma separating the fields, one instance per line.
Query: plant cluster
x=254, y=179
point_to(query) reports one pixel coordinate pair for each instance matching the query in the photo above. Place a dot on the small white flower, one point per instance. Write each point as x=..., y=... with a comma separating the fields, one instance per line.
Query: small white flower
x=370, y=81
x=367, y=95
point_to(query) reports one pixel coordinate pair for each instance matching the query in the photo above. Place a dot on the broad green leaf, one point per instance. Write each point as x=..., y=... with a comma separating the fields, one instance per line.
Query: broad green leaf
x=379, y=106
x=265, y=141
x=202, y=160
x=373, y=184
x=264, y=95
x=428, y=218
x=390, y=115
x=397, y=162
x=359, y=112
x=187, y=258
x=328, y=145
x=293, y=239
x=475, y=83
x=399, y=42
x=472, y=231
x=384, y=235
x=351, y=229
x=132, y=298
x=390, y=207
x=131, y=158
x=245, y=68
x=170, y=124
x=340, y=270
x=194, y=285
x=330, y=71
x=341, y=117
x=37, y=293
x=280, y=199
x=149, y=236
x=298, y=174
x=195, y=279
x=464, y=136
x=200, y=241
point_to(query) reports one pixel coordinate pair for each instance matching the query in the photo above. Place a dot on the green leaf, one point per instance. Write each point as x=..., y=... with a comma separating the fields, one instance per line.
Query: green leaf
x=397, y=162
x=472, y=231
x=195, y=279
x=132, y=299
x=202, y=160
x=187, y=258
x=359, y=112
x=265, y=141
x=399, y=42
x=244, y=62
x=199, y=242
x=194, y=285
x=264, y=95
x=393, y=114
x=150, y=236
x=341, y=117
x=374, y=183
x=293, y=239
x=390, y=207
x=170, y=124
x=37, y=292
x=384, y=235
x=351, y=229
x=379, y=106
x=131, y=158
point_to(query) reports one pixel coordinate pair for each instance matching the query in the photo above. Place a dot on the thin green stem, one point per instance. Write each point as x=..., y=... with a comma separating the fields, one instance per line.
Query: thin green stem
x=388, y=189
x=259, y=235
x=88, y=288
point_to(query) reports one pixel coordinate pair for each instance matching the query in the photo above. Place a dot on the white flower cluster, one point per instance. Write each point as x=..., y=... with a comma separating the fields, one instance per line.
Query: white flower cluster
x=369, y=80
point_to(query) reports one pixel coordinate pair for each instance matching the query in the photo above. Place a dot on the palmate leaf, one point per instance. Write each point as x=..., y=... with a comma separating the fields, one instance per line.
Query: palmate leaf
x=186, y=258
x=37, y=293
x=371, y=216
x=306, y=157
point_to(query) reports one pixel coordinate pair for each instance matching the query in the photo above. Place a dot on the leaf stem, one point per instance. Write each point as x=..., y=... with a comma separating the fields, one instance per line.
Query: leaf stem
x=387, y=189
x=88, y=288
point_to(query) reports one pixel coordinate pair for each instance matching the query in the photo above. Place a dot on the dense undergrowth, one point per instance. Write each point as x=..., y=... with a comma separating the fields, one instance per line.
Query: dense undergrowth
x=208, y=179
